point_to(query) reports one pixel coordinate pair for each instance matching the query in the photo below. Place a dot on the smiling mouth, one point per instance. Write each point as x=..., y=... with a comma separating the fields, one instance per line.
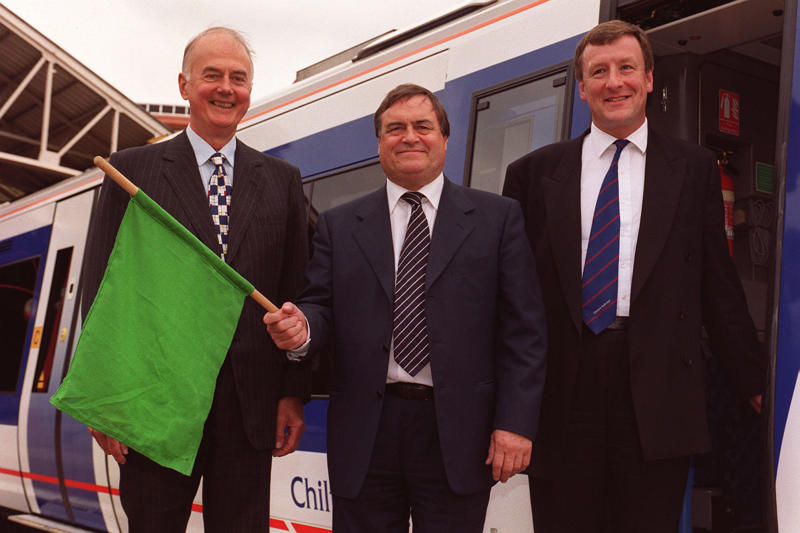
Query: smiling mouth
x=615, y=99
x=224, y=105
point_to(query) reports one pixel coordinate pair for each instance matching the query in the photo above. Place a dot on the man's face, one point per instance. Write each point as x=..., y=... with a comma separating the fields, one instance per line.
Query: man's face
x=615, y=85
x=218, y=87
x=411, y=146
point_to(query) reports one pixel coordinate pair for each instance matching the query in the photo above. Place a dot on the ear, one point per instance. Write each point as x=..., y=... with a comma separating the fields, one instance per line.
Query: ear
x=182, y=81
x=583, y=92
x=649, y=79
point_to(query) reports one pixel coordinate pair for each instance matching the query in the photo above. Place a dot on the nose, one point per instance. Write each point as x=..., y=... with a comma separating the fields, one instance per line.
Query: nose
x=225, y=85
x=614, y=77
x=410, y=136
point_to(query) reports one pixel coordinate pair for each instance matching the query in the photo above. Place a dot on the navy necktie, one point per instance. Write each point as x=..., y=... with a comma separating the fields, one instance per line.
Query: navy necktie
x=219, y=201
x=601, y=268
x=410, y=330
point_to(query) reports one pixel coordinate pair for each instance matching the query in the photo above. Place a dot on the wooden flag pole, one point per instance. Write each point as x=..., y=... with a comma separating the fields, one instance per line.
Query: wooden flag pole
x=132, y=189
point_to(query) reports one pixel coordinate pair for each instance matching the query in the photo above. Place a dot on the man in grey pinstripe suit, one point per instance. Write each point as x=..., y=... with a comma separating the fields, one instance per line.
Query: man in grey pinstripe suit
x=257, y=406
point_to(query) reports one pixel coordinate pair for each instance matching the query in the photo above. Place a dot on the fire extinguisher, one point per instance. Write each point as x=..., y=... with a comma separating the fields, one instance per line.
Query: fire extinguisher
x=728, y=198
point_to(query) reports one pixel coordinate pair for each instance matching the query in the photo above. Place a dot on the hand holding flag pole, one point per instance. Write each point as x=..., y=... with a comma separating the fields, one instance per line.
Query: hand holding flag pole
x=132, y=189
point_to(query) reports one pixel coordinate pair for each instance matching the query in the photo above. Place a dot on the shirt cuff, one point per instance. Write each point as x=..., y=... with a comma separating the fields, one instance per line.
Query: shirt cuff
x=301, y=352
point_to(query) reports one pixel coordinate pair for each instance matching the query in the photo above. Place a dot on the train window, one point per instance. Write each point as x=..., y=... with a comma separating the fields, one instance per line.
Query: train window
x=324, y=193
x=335, y=189
x=511, y=120
x=17, y=288
x=52, y=320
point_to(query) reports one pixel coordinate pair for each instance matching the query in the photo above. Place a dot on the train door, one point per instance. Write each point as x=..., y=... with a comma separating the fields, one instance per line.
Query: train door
x=55, y=451
x=717, y=81
x=22, y=253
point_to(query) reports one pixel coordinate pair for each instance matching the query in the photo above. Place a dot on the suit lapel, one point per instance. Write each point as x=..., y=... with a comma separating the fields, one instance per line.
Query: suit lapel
x=248, y=182
x=182, y=174
x=451, y=228
x=562, y=192
x=664, y=175
x=373, y=234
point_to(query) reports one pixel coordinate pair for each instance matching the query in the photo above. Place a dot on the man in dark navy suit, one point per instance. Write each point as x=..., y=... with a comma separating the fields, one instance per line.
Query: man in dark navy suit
x=430, y=293
x=257, y=396
x=624, y=401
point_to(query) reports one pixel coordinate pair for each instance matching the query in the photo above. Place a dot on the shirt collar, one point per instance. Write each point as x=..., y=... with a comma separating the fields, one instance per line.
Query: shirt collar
x=203, y=151
x=432, y=192
x=598, y=141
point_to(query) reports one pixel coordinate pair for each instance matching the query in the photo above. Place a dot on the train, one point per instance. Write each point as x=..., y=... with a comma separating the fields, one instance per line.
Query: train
x=727, y=76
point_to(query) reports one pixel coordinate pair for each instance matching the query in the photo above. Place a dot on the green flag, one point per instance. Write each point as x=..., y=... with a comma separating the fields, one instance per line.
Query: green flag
x=146, y=363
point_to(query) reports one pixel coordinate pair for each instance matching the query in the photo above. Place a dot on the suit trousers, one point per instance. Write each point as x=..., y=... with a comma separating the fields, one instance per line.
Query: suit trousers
x=406, y=476
x=235, y=477
x=605, y=485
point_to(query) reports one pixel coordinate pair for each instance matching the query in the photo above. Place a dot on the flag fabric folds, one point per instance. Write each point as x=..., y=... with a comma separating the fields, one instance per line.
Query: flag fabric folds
x=154, y=340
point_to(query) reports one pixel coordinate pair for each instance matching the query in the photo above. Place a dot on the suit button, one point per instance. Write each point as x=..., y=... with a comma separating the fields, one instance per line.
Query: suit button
x=688, y=362
x=681, y=316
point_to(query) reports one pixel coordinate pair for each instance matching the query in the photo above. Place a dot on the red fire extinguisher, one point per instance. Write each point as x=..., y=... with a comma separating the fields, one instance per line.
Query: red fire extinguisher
x=728, y=198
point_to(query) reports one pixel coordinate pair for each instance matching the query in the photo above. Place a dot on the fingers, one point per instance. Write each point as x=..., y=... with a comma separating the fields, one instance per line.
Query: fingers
x=290, y=441
x=110, y=446
x=290, y=426
x=509, y=454
x=755, y=403
x=287, y=327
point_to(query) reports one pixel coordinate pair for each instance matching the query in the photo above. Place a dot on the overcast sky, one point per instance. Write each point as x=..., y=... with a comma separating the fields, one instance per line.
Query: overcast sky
x=136, y=45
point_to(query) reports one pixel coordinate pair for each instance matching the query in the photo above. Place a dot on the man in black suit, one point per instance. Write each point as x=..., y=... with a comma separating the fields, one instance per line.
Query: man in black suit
x=624, y=403
x=422, y=427
x=257, y=407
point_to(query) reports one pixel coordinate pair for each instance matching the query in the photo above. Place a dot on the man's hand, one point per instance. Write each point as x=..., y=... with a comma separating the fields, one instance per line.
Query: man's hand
x=287, y=327
x=509, y=454
x=110, y=446
x=755, y=403
x=290, y=425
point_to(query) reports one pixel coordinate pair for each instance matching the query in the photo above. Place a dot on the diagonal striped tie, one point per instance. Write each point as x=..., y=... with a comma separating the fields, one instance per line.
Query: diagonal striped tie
x=410, y=332
x=601, y=269
x=219, y=201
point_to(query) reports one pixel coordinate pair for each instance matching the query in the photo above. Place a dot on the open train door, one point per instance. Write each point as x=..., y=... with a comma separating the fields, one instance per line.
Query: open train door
x=785, y=415
x=727, y=76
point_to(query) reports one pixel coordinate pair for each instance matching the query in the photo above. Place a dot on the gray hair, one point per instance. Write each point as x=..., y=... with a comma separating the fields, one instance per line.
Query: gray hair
x=236, y=35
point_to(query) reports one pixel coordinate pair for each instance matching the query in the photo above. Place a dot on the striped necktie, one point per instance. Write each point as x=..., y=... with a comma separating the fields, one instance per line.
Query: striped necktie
x=219, y=201
x=410, y=331
x=601, y=269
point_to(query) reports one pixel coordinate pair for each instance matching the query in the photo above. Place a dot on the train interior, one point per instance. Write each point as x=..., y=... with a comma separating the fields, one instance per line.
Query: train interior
x=716, y=82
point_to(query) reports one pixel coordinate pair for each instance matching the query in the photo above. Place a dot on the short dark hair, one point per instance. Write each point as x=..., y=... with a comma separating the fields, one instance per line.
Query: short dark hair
x=608, y=32
x=407, y=90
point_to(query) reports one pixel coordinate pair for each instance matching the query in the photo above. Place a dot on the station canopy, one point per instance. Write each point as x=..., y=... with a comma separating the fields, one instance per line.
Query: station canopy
x=56, y=114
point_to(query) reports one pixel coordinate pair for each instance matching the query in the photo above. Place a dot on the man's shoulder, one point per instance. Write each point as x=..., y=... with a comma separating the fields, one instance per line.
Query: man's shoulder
x=146, y=150
x=475, y=196
x=550, y=154
x=361, y=206
x=677, y=147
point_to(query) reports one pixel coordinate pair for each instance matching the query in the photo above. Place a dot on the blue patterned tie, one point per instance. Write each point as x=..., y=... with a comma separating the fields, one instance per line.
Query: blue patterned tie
x=601, y=269
x=219, y=200
x=410, y=331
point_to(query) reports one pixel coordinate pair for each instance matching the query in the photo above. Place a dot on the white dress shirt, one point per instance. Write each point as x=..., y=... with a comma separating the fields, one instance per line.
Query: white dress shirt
x=596, y=157
x=203, y=152
x=399, y=215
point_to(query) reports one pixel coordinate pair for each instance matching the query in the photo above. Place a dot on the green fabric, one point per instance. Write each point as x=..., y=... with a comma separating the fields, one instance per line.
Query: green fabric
x=146, y=363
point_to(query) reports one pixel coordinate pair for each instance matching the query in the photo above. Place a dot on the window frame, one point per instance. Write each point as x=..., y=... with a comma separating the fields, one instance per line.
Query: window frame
x=531, y=77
